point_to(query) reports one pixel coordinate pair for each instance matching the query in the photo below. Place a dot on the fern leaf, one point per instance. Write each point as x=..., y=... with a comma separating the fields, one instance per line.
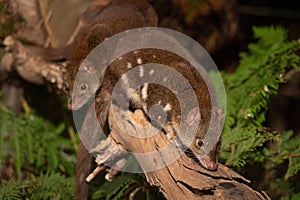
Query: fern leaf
x=249, y=89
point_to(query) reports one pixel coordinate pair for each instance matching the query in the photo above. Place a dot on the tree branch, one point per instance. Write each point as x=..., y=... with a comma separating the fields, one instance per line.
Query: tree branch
x=182, y=179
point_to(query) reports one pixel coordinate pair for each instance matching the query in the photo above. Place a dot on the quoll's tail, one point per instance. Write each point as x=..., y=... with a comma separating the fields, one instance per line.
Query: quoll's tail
x=83, y=166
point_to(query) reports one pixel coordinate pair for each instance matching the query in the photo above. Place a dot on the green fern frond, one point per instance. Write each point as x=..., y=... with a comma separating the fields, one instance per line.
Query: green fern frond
x=30, y=138
x=248, y=91
x=52, y=186
x=11, y=190
x=48, y=186
x=287, y=149
x=116, y=188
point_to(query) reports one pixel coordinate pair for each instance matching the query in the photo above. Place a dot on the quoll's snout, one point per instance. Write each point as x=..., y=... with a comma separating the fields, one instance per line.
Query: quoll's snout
x=213, y=166
x=209, y=163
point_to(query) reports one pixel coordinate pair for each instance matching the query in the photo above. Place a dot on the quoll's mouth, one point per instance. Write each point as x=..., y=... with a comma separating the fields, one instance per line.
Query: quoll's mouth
x=72, y=107
x=209, y=164
x=212, y=166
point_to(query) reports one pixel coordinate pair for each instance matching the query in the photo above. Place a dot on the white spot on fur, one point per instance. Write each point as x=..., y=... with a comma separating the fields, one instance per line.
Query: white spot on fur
x=168, y=107
x=145, y=91
x=141, y=71
x=159, y=102
x=153, y=56
x=151, y=71
x=125, y=79
x=128, y=65
x=126, y=85
x=165, y=79
x=139, y=61
x=135, y=52
x=120, y=58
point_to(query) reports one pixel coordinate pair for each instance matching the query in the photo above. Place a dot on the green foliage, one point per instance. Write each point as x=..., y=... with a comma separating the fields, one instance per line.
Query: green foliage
x=295, y=196
x=261, y=71
x=287, y=149
x=52, y=186
x=48, y=186
x=248, y=91
x=36, y=146
x=30, y=138
x=115, y=189
x=124, y=186
x=11, y=190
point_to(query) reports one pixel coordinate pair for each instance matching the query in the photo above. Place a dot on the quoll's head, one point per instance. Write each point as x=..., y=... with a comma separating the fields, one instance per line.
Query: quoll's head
x=208, y=156
x=206, y=143
x=82, y=86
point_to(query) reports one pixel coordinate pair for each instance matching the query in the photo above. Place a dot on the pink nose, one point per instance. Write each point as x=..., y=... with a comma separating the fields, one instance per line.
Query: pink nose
x=71, y=107
x=212, y=166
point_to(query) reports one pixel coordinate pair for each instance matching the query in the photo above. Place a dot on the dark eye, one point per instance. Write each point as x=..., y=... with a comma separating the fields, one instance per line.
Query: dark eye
x=83, y=87
x=199, y=143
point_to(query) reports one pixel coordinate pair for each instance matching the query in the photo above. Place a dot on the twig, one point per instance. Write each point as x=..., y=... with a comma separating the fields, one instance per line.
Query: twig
x=46, y=23
x=96, y=171
x=25, y=105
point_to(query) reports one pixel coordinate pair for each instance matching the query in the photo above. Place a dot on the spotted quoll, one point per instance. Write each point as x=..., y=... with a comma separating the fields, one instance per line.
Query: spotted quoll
x=150, y=79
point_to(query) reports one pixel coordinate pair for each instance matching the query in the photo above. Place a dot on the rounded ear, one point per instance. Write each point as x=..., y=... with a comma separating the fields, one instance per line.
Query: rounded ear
x=88, y=67
x=96, y=34
x=218, y=112
x=87, y=38
x=193, y=116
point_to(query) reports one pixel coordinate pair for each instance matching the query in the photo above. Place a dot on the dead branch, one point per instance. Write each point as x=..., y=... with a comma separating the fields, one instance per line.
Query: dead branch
x=43, y=11
x=33, y=63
